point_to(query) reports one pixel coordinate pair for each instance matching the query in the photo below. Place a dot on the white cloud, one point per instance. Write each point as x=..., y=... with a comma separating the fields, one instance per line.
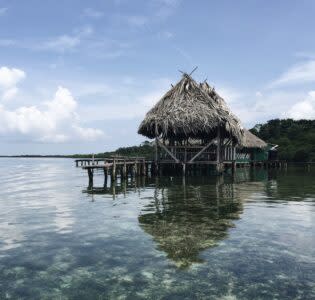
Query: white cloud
x=92, y=13
x=304, y=109
x=66, y=42
x=253, y=109
x=9, y=78
x=229, y=94
x=3, y=10
x=300, y=73
x=62, y=43
x=54, y=121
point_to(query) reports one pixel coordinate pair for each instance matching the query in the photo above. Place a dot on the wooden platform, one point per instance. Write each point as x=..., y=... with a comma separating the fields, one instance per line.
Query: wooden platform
x=125, y=167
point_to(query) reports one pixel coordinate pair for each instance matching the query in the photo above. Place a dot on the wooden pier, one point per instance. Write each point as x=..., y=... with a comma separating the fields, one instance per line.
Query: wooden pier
x=125, y=167
x=116, y=166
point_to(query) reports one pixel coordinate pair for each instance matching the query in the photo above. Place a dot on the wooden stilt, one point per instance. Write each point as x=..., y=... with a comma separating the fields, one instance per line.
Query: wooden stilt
x=114, y=170
x=105, y=177
x=124, y=170
x=184, y=169
x=90, y=174
x=218, y=162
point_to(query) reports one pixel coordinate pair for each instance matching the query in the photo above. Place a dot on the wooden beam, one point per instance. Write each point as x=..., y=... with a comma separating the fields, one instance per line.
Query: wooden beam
x=168, y=151
x=202, y=150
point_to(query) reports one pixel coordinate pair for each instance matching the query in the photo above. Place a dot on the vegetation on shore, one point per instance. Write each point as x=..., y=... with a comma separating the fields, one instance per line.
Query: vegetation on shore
x=296, y=139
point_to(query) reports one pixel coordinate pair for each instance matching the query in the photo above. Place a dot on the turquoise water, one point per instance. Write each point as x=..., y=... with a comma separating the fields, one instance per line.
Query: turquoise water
x=247, y=237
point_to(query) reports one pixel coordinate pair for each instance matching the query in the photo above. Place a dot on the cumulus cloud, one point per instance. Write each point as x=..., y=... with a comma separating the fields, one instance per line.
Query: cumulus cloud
x=9, y=78
x=300, y=73
x=259, y=107
x=54, y=121
x=304, y=109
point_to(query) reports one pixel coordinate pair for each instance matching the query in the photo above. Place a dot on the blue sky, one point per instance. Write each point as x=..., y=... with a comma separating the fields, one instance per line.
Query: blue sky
x=78, y=76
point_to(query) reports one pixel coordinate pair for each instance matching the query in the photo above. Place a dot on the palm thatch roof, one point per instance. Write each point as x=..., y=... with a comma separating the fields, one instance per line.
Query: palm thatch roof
x=187, y=111
x=252, y=141
x=232, y=123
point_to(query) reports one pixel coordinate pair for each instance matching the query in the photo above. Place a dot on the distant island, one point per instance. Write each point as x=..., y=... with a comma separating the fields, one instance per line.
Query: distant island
x=296, y=140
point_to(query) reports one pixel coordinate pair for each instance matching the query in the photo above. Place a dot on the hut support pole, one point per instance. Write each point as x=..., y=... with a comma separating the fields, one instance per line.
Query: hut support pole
x=233, y=156
x=156, y=148
x=219, y=150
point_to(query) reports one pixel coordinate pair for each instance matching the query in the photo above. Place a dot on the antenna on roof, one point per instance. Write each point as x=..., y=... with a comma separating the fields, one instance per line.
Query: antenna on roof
x=181, y=72
x=193, y=71
x=205, y=80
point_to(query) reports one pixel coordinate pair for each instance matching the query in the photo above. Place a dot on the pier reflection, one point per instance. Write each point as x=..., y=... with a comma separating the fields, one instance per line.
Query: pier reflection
x=186, y=215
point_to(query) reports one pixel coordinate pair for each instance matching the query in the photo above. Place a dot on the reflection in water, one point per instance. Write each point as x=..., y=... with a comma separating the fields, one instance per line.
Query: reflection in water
x=245, y=237
x=184, y=221
x=189, y=215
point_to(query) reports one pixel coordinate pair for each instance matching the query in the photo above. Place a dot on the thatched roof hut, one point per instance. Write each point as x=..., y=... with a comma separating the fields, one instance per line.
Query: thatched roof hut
x=252, y=141
x=188, y=111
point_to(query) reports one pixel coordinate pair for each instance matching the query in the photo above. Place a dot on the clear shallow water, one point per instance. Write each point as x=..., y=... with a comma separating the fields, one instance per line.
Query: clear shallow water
x=251, y=237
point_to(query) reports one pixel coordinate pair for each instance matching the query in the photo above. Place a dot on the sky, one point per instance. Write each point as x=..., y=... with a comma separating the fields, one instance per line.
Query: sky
x=79, y=76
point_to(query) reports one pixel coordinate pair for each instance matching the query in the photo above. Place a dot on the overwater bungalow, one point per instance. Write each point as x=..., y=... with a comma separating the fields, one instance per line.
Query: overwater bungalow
x=193, y=126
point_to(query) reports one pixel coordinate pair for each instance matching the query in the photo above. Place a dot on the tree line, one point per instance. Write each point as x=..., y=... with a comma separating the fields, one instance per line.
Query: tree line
x=296, y=138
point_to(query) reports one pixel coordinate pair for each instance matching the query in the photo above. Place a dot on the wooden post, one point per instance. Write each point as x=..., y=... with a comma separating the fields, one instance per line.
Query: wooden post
x=143, y=168
x=218, y=146
x=105, y=177
x=90, y=173
x=184, y=169
x=218, y=167
x=156, y=148
x=124, y=170
x=135, y=166
x=114, y=170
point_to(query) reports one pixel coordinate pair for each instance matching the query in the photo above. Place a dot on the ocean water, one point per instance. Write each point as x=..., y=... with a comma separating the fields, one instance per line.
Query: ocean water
x=251, y=236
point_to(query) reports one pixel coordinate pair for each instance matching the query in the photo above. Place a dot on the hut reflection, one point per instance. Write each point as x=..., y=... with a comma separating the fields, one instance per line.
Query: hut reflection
x=186, y=215
x=185, y=218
